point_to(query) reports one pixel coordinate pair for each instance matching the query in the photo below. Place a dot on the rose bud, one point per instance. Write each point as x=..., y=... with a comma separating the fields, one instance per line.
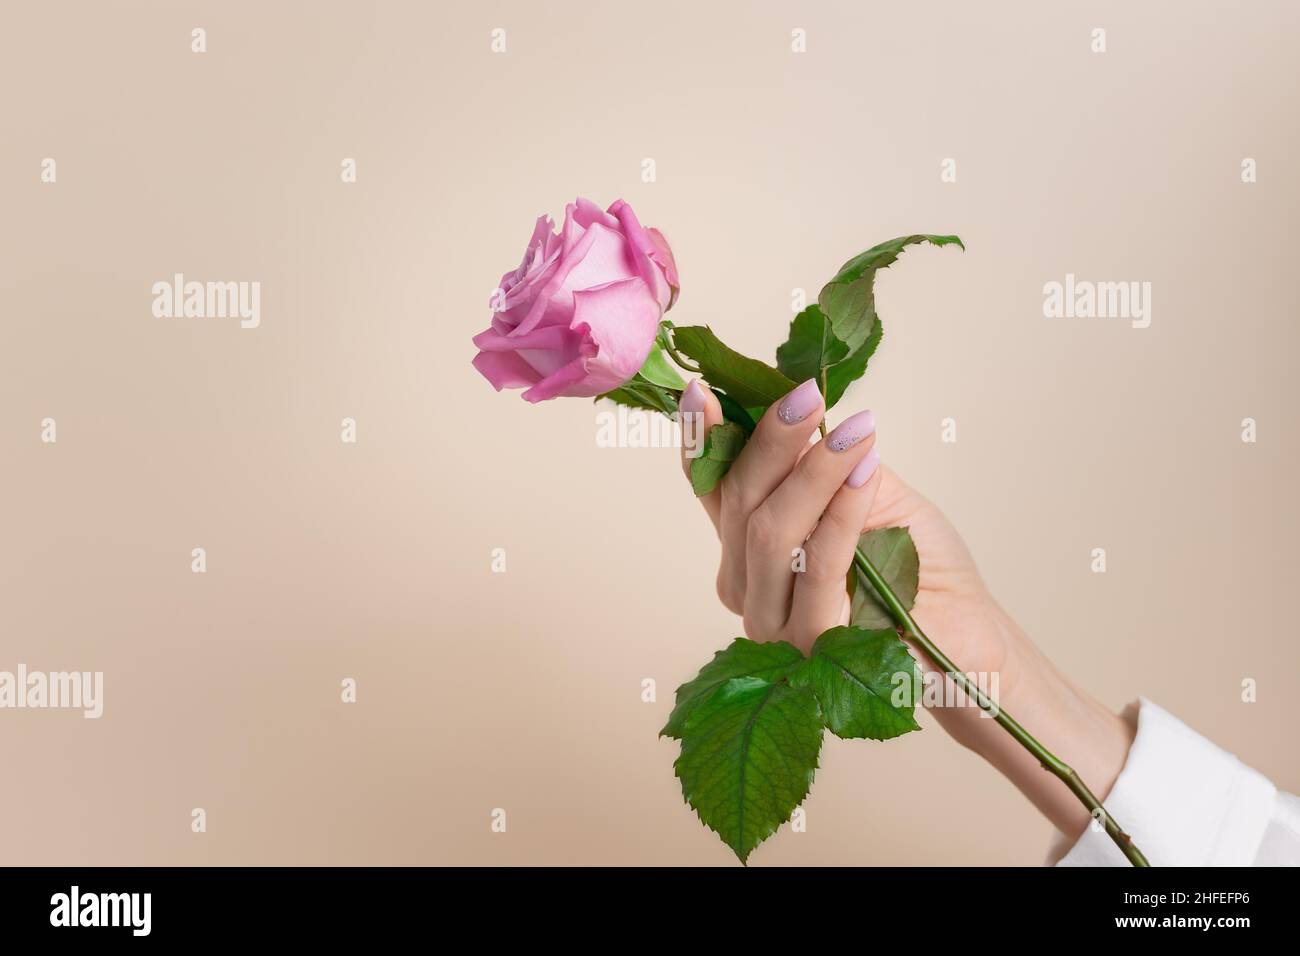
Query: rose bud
x=580, y=314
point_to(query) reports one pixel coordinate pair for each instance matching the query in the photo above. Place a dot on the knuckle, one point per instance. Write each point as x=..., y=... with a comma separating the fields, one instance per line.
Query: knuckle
x=739, y=502
x=762, y=442
x=838, y=524
x=762, y=534
x=821, y=567
x=814, y=467
x=735, y=507
x=731, y=596
x=755, y=630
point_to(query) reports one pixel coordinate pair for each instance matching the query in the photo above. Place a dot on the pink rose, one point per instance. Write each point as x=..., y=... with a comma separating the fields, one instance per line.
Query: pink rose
x=580, y=314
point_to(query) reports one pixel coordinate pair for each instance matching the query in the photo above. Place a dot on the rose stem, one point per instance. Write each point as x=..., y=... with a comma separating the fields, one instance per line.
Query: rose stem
x=1045, y=757
x=821, y=426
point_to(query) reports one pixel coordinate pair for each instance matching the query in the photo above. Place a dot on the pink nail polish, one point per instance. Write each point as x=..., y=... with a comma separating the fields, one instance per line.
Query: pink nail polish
x=863, y=470
x=851, y=431
x=800, y=403
x=692, y=401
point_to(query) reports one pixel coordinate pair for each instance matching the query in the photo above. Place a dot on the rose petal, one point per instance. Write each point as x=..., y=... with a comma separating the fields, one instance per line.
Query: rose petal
x=643, y=252
x=606, y=258
x=586, y=213
x=663, y=255
x=532, y=253
x=550, y=337
x=519, y=301
x=623, y=318
x=560, y=383
x=505, y=370
x=600, y=256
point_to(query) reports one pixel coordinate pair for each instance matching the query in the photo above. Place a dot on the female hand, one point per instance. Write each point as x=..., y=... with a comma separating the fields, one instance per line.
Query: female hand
x=783, y=493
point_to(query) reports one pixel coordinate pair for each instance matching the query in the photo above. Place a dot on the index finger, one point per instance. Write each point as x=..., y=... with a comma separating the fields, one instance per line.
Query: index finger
x=699, y=411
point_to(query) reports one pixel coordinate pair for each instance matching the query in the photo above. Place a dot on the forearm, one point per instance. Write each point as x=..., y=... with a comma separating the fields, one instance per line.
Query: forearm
x=1064, y=719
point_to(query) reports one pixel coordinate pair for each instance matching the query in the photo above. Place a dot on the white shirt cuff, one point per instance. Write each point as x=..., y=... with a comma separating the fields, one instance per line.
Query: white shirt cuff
x=1184, y=802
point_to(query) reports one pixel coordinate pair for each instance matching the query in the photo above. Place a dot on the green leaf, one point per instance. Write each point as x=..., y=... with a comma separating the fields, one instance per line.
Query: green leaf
x=770, y=661
x=837, y=294
x=663, y=335
x=893, y=553
x=850, y=308
x=749, y=752
x=843, y=374
x=849, y=303
x=658, y=370
x=637, y=393
x=749, y=381
x=721, y=447
x=656, y=387
x=866, y=683
x=811, y=346
x=733, y=411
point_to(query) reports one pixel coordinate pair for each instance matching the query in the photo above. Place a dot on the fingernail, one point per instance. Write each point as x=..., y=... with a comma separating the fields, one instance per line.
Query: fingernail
x=851, y=431
x=863, y=470
x=800, y=403
x=693, y=399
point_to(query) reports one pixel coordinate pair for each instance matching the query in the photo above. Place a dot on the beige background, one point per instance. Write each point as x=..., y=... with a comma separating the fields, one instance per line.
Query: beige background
x=522, y=690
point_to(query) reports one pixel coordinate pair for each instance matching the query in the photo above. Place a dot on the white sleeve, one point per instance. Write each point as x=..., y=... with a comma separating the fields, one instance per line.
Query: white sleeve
x=1185, y=802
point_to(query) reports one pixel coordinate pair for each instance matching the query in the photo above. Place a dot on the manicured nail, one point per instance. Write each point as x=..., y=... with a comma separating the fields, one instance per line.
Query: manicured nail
x=693, y=399
x=863, y=470
x=851, y=431
x=800, y=403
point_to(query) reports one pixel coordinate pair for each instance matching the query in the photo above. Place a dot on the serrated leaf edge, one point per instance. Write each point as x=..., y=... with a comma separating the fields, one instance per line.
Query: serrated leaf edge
x=807, y=788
